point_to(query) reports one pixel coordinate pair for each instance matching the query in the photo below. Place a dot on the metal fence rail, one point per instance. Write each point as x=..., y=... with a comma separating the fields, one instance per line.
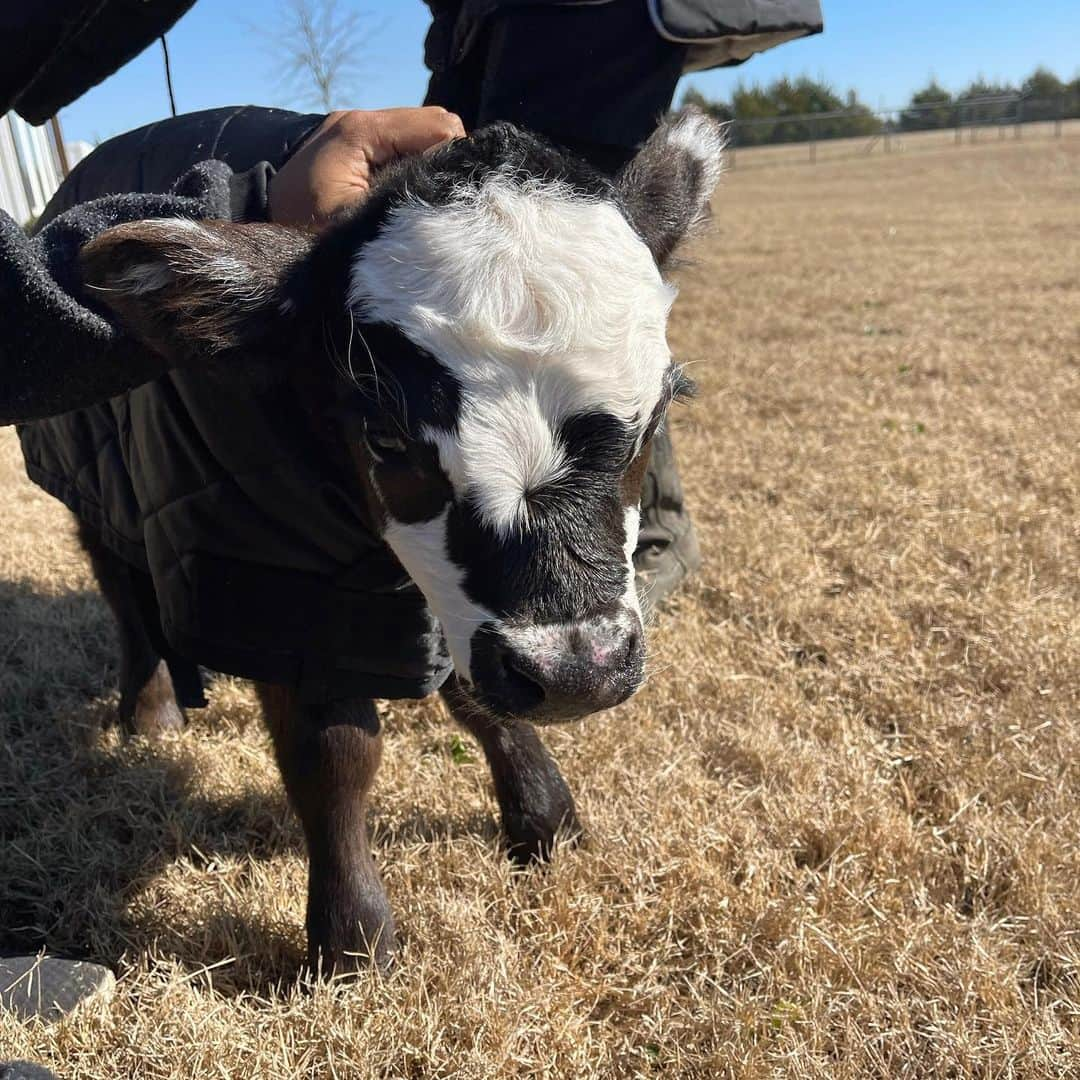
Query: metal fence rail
x=31, y=168
x=860, y=131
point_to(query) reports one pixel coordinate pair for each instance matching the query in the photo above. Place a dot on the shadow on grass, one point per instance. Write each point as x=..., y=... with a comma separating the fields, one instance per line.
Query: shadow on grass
x=87, y=822
x=91, y=823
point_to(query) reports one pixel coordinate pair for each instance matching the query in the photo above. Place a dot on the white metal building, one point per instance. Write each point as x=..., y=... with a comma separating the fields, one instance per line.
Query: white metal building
x=30, y=169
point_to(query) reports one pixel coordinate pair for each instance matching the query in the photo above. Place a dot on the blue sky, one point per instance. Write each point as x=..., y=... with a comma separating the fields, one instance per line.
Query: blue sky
x=882, y=50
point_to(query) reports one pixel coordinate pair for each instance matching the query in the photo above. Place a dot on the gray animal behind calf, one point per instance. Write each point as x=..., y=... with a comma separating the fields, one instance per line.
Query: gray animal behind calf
x=497, y=311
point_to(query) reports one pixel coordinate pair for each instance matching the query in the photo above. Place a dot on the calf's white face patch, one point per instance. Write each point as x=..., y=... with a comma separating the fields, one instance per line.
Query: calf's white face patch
x=544, y=305
x=421, y=549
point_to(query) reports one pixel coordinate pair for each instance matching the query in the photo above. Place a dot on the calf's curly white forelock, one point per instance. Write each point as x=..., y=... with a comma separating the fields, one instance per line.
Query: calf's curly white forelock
x=542, y=302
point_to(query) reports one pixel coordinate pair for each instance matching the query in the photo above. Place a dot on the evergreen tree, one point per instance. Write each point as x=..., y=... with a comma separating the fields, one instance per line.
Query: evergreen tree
x=983, y=102
x=930, y=108
x=719, y=110
x=798, y=109
x=786, y=111
x=1042, y=91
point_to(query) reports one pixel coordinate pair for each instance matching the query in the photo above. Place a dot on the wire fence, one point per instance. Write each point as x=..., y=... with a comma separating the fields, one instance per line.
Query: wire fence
x=859, y=132
x=31, y=165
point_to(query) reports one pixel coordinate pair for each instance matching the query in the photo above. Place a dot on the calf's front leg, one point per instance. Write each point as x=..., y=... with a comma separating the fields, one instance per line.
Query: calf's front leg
x=534, y=801
x=328, y=756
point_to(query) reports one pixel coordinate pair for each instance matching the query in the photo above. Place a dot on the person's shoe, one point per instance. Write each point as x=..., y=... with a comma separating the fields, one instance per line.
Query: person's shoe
x=661, y=567
x=24, y=1070
x=50, y=986
x=667, y=549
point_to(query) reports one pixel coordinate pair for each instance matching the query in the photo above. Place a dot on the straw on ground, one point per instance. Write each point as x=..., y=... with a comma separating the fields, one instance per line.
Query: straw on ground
x=836, y=834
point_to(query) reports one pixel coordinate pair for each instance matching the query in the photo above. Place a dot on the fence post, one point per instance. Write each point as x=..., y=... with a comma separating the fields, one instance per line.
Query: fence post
x=1019, y=118
x=1060, y=115
x=58, y=142
x=813, y=143
x=958, y=137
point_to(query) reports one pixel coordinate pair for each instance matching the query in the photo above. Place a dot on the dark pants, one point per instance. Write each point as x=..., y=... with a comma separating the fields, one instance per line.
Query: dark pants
x=595, y=79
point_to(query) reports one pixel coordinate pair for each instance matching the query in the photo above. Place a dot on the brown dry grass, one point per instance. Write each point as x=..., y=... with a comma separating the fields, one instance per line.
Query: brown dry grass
x=835, y=836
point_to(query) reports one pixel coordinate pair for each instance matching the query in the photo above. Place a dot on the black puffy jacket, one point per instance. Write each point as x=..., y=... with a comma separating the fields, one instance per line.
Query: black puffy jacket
x=55, y=50
x=716, y=33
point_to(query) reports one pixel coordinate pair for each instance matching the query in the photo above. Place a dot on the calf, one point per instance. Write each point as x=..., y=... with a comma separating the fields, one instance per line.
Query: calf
x=496, y=317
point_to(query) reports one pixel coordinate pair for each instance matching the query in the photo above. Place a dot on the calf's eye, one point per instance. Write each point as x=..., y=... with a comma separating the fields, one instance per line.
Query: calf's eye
x=385, y=444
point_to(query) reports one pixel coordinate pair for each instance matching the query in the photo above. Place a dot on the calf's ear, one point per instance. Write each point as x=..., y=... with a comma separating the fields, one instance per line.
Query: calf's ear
x=193, y=287
x=665, y=188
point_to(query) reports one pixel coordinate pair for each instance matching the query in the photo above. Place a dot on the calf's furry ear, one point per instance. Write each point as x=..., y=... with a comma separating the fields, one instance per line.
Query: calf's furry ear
x=192, y=287
x=665, y=188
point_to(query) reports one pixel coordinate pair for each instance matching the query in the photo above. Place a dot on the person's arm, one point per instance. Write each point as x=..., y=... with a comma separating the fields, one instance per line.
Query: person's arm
x=58, y=354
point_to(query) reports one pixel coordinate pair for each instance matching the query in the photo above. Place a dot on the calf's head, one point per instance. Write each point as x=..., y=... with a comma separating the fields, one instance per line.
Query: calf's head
x=497, y=314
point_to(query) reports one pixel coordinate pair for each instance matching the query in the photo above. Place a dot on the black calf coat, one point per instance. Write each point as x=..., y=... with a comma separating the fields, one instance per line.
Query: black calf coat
x=264, y=563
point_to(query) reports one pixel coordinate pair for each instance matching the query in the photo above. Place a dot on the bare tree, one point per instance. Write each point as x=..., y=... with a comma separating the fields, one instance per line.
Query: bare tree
x=321, y=45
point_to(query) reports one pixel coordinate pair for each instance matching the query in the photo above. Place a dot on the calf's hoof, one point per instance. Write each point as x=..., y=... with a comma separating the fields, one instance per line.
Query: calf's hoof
x=154, y=711
x=530, y=837
x=338, y=964
x=339, y=947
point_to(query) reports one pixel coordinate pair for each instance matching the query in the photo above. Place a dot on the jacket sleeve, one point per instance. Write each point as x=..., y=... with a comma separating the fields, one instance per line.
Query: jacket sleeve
x=249, y=193
x=66, y=46
x=58, y=353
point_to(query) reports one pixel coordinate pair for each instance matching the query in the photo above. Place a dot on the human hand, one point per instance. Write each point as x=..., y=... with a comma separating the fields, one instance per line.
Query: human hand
x=335, y=167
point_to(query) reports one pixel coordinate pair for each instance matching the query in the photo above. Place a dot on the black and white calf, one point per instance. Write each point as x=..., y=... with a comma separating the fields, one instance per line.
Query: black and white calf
x=497, y=312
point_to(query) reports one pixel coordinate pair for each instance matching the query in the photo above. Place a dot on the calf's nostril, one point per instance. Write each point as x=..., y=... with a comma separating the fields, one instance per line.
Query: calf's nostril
x=558, y=672
x=517, y=678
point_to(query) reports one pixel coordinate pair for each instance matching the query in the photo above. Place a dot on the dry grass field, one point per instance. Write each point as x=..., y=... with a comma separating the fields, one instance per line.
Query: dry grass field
x=836, y=835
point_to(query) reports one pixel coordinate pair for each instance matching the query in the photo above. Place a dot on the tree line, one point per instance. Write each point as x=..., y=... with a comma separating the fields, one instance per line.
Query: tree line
x=795, y=110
